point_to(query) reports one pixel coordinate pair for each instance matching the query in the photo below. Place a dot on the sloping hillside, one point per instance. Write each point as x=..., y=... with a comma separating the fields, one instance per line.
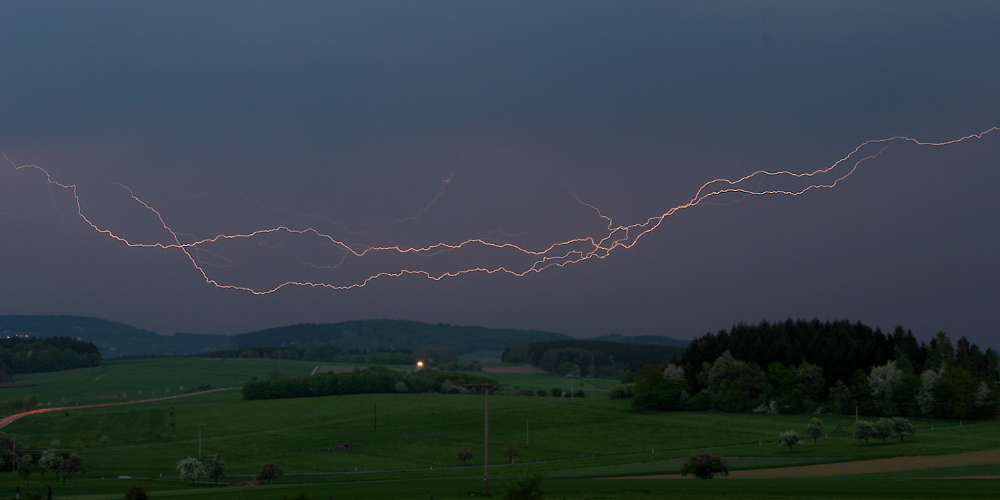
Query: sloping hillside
x=113, y=339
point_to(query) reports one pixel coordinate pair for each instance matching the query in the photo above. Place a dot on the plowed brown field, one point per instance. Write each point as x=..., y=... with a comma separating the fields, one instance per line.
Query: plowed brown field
x=863, y=467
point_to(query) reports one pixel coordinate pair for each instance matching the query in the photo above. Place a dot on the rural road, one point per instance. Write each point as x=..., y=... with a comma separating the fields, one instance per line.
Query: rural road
x=7, y=420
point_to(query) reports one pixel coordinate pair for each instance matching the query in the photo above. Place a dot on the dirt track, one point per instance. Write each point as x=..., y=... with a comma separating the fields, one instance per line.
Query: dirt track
x=862, y=467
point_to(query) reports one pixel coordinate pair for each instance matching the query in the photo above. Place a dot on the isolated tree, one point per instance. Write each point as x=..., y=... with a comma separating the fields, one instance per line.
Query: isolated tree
x=465, y=455
x=705, y=465
x=270, y=471
x=815, y=429
x=510, y=452
x=789, y=439
x=864, y=430
x=190, y=468
x=215, y=467
x=105, y=440
x=902, y=427
x=69, y=466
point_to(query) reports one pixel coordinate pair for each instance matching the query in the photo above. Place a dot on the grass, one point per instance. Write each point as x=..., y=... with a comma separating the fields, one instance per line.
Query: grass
x=416, y=438
x=135, y=379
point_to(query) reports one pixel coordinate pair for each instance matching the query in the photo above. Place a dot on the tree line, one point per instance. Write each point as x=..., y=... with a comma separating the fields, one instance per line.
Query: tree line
x=444, y=358
x=838, y=367
x=369, y=381
x=32, y=355
x=324, y=353
x=587, y=358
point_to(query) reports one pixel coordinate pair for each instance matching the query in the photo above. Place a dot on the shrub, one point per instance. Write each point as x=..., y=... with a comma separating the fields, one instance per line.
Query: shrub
x=623, y=391
x=270, y=471
x=701, y=401
x=136, y=492
x=524, y=487
x=705, y=465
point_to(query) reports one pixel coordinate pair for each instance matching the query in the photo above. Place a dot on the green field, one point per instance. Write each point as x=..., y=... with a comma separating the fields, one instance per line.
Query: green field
x=405, y=445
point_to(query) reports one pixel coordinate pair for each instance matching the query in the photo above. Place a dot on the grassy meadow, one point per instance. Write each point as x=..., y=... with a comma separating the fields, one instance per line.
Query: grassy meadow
x=406, y=445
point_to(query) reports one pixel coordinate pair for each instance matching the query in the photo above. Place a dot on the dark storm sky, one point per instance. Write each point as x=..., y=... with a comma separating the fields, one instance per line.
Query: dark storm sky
x=346, y=117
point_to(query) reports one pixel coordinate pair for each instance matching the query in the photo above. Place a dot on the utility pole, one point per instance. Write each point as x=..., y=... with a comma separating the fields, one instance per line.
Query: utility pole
x=486, y=435
x=199, y=439
x=486, y=445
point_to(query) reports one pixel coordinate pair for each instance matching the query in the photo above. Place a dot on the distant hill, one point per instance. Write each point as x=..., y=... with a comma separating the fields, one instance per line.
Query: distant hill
x=376, y=334
x=117, y=340
x=644, y=339
x=113, y=339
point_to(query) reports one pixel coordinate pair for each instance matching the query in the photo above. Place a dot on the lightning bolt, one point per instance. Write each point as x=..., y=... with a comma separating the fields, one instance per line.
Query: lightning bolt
x=508, y=258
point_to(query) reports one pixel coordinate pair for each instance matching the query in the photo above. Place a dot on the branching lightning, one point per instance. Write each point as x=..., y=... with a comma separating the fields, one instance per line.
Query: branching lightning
x=489, y=254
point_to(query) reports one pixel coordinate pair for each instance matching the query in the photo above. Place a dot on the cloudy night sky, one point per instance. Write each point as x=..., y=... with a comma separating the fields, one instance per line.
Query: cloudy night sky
x=327, y=143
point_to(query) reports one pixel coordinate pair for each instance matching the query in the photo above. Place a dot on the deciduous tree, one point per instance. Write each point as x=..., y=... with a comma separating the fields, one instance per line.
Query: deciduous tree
x=864, y=430
x=71, y=465
x=510, y=452
x=270, y=471
x=216, y=467
x=815, y=429
x=902, y=427
x=26, y=467
x=789, y=439
x=884, y=428
x=49, y=461
x=190, y=468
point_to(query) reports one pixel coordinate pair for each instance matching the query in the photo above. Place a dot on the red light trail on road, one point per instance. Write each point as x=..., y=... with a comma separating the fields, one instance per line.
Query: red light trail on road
x=499, y=256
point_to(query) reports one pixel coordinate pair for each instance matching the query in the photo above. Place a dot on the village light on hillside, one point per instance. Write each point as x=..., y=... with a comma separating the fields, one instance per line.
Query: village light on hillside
x=420, y=366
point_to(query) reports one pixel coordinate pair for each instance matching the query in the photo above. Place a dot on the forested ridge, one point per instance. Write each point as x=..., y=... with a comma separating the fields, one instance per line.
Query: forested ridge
x=840, y=366
x=840, y=348
x=30, y=355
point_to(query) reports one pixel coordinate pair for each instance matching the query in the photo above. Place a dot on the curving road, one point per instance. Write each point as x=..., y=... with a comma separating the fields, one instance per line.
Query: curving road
x=7, y=420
